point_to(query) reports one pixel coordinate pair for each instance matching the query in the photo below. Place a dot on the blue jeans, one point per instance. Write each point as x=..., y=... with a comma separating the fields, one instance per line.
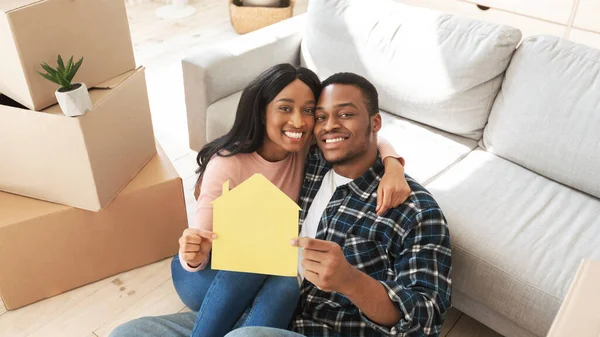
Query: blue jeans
x=225, y=300
x=262, y=332
x=181, y=325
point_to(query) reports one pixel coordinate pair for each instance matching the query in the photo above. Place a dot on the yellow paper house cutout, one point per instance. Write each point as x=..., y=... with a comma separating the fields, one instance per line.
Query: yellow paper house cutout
x=254, y=223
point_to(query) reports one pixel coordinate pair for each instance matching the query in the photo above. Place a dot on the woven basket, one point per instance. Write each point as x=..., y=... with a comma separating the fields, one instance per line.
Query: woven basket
x=248, y=19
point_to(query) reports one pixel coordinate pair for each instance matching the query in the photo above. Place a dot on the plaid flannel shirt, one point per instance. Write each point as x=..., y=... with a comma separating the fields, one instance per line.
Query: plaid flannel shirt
x=407, y=250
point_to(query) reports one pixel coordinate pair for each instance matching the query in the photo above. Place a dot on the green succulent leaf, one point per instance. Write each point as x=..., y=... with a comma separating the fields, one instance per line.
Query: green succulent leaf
x=49, y=77
x=74, y=70
x=69, y=65
x=49, y=69
x=61, y=65
x=64, y=83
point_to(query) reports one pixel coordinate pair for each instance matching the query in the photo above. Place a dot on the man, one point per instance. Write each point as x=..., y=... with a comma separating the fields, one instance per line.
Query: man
x=362, y=274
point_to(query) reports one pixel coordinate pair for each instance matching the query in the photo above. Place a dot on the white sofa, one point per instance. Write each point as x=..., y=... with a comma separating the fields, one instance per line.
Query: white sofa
x=507, y=139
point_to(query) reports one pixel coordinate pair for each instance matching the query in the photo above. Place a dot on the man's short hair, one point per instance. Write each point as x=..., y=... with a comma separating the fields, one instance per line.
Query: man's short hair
x=367, y=89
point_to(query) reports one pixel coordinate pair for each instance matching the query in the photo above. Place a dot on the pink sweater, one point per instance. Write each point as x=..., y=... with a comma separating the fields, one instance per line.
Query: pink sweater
x=286, y=174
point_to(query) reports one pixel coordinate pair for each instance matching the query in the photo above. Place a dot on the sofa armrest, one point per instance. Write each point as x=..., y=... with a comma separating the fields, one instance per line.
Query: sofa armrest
x=227, y=68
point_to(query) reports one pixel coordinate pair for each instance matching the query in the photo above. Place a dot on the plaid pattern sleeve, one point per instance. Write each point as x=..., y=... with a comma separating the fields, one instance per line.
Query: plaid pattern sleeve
x=407, y=250
x=421, y=287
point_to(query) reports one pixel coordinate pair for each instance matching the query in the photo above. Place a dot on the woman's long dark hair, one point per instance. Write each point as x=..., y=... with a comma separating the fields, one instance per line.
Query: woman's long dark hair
x=248, y=131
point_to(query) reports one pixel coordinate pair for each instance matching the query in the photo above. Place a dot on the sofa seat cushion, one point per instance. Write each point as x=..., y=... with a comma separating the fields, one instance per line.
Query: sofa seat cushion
x=517, y=237
x=428, y=151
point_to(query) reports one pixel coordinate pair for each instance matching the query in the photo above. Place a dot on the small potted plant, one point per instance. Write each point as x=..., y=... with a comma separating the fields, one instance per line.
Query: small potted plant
x=73, y=98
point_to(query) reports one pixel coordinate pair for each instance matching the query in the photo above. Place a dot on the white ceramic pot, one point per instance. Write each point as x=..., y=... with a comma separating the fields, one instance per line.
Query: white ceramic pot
x=262, y=3
x=75, y=102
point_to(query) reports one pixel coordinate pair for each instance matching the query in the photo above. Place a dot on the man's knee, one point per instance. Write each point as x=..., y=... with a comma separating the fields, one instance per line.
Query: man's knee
x=125, y=330
x=245, y=332
x=261, y=332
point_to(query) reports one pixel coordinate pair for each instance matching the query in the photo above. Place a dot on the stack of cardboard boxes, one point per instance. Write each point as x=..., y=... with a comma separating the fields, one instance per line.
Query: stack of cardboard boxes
x=81, y=198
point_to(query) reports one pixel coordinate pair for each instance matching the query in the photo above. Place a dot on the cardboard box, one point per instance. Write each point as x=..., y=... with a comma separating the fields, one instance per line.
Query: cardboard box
x=83, y=161
x=36, y=31
x=47, y=249
x=579, y=315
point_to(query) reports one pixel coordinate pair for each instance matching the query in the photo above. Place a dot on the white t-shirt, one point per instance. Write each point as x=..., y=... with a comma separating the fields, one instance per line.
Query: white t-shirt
x=331, y=181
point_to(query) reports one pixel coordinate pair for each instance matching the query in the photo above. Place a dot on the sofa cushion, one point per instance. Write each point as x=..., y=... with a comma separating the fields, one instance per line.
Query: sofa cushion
x=517, y=237
x=547, y=115
x=220, y=116
x=433, y=68
x=428, y=151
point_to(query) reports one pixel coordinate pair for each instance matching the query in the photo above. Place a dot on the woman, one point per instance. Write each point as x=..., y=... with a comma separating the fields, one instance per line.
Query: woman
x=271, y=135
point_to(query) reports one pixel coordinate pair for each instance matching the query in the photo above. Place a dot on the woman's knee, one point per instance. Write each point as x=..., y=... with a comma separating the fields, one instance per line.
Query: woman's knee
x=285, y=283
x=283, y=286
x=241, y=280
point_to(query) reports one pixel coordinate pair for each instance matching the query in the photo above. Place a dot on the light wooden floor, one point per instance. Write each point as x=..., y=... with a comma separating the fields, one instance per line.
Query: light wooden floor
x=95, y=309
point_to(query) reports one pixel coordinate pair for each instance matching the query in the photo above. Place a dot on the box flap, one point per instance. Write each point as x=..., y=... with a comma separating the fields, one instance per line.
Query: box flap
x=21, y=208
x=11, y=5
x=99, y=92
x=116, y=81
